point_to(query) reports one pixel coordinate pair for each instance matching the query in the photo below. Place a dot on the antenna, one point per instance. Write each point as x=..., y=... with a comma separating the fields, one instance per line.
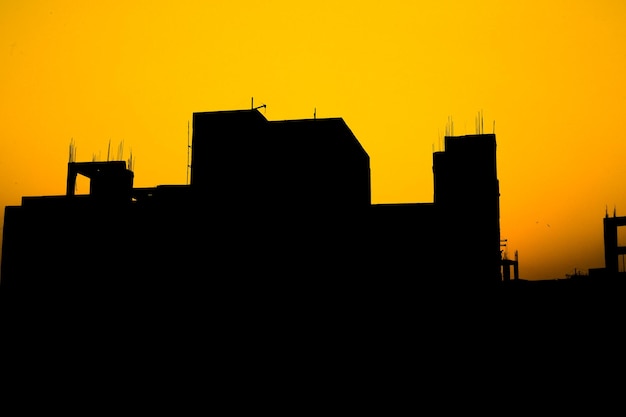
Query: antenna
x=264, y=106
x=438, y=140
x=188, y=148
x=314, y=113
x=450, y=127
x=109, y=150
x=480, y=123
x=120, y=150
x=72, y=156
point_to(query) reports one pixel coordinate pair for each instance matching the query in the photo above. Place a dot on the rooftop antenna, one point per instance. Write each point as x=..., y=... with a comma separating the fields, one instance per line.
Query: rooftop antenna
x=188, y=148
x=314, y=113
x=109, y=150
x=450, y=127
x=264, y=106
x=439, y=137
x=72, y=156
x=482, y=122
x=120, y=150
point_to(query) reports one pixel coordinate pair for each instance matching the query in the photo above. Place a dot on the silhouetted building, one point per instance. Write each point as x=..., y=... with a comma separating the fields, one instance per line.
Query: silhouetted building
x=507, y=264
x=613, y=251
x=468, y=195
x=240, y=158
x=456, y=238
x=267, y=199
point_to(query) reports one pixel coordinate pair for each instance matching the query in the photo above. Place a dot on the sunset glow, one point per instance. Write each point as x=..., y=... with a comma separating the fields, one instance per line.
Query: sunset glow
x=547, y=77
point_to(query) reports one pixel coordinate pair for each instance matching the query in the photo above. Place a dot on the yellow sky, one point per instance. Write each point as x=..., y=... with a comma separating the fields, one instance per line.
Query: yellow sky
x=549, y=75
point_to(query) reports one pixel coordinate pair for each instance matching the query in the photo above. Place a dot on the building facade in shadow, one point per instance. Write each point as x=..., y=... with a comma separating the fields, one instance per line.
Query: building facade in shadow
x=271, y=206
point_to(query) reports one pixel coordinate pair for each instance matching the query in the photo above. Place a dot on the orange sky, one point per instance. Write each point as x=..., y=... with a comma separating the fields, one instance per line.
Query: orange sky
x=548, y=74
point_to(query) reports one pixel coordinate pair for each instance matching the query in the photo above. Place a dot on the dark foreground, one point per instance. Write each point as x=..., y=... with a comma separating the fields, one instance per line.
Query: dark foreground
x=384, y=348
x=363, y=305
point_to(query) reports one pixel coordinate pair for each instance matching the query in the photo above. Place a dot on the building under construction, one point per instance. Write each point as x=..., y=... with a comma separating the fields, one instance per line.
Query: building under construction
x=614, y=250
x=270, y=203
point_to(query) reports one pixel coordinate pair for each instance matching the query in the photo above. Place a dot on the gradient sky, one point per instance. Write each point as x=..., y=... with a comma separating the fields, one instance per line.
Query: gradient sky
x=548, y=76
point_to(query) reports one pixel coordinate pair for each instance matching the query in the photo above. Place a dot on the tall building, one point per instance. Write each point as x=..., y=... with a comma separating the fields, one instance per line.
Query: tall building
x=239, y=157
x=274, y=204
x=614, y=250
x=455, y=239
x=467, y=194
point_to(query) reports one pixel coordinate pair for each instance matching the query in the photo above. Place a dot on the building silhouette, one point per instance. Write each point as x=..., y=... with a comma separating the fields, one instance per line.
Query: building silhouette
x=456, y=238
x=614, y=252
x=273, y=264
x=280, y=205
